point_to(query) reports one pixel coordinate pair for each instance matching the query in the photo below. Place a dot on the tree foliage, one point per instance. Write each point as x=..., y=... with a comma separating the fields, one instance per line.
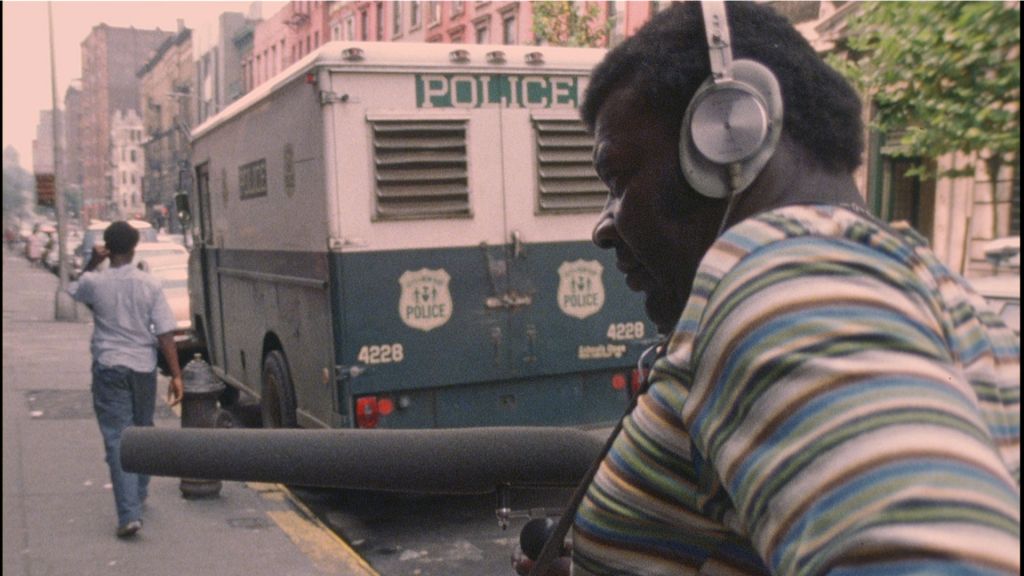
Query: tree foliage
x=570, y=24
x=945, y=76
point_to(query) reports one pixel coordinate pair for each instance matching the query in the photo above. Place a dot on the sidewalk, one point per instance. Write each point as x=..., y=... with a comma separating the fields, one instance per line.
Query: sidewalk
x=58, y=508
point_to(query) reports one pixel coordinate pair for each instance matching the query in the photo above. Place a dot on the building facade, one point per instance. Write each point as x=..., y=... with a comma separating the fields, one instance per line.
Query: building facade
x=219, y=80
x=42, y=146
x=70, y=177
x=110, y=58
x=285, y=38
x=957, y=215
x=167, y=89
x=461, y=22
x=127, y=161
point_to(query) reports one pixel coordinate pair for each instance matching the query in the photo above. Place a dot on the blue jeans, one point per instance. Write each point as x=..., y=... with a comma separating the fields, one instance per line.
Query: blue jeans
x=123, y=398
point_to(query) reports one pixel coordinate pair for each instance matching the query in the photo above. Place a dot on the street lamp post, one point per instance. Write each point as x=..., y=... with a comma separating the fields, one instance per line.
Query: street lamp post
x=64, y=305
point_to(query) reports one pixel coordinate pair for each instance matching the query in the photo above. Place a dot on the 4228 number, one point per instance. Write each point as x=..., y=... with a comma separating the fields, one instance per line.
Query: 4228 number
x=381, y=353
x=626, y=331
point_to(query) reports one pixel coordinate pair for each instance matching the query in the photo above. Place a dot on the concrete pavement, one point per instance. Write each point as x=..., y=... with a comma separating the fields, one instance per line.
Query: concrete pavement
x=58, y=510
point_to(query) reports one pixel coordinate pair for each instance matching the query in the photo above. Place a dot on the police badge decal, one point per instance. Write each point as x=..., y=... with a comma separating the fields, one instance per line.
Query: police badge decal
x=426, y=302
x=580, y=288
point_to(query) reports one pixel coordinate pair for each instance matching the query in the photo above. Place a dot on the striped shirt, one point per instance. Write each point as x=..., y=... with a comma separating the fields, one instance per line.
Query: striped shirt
x=833, y=400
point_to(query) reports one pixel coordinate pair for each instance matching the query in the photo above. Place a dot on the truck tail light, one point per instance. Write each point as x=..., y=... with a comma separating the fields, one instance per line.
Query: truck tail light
x=370, y=409
x=367, y=412
x=637, y=380
x=619, y=381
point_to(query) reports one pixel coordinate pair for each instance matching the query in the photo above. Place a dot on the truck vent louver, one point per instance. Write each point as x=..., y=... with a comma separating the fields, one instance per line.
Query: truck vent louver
x=420, y=169
x=566, y=178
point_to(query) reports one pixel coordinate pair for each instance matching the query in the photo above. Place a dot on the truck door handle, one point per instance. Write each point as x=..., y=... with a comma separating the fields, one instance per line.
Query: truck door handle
x=531, y=344
x=496, y=340
x=517, y=244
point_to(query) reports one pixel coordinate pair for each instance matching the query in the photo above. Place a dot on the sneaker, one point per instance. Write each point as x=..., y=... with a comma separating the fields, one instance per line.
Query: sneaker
x=128, y=530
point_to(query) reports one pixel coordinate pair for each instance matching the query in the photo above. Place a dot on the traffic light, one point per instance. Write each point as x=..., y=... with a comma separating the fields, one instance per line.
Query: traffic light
x=46, y=193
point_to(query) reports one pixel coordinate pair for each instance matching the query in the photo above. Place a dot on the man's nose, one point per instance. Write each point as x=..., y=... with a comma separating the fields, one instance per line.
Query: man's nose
x=605, y=235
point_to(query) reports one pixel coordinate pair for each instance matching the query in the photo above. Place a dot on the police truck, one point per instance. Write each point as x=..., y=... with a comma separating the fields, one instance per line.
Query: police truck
x=397, y=235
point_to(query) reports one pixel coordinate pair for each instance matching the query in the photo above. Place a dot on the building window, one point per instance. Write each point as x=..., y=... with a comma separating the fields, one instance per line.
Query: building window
x=316, y=39
x=457, y=8
x=508, y=29
x=273, y=60
x=380, y=21
x=414, y=15
x=396, y=19
x=434, y=13
x=364, y=25
x=350, y=28
x=483, y=32
x=133, y=156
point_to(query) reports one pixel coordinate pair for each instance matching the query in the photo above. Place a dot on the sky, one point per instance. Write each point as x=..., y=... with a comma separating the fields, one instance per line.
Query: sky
x=27, y=86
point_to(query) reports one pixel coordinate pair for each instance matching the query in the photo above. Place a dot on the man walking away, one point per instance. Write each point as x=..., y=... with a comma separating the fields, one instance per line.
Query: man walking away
x=131, y=317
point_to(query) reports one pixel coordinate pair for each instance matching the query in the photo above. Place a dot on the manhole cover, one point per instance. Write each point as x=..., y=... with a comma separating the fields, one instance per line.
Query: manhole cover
x=72, y=405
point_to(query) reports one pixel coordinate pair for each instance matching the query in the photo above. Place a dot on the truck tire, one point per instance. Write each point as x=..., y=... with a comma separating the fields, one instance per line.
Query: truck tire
x=277, y=398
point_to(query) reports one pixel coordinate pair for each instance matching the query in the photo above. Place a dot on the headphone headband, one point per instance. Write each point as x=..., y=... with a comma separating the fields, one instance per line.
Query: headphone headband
x=716, y=27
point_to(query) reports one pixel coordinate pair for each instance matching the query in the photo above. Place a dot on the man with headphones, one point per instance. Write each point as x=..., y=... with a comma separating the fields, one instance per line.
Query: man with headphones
x=832, y=399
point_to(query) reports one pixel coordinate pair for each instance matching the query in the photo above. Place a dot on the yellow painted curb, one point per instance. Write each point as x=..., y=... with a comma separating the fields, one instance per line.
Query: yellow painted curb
x=318, y=542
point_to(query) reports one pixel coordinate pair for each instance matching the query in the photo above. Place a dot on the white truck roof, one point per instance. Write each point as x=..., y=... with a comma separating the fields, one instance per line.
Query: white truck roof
x=408, y=57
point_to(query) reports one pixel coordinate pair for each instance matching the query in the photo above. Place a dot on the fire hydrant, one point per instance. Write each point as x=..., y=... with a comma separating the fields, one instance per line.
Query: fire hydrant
x=199, y=409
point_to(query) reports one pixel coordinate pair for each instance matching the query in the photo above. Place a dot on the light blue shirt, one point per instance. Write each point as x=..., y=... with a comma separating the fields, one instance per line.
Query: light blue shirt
x=129, y=310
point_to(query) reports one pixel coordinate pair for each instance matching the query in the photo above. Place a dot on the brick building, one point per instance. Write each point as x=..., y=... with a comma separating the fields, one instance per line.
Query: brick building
x=286, y=37
x=70, y=177
x=167, y=84
x=127, y=162
x=110, y=58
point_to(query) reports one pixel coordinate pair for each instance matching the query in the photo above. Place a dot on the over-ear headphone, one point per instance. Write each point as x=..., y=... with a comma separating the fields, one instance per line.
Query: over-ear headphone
x=732, y=124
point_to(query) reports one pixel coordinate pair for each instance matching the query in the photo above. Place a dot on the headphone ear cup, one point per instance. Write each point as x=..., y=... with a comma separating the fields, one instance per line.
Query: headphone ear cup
x=730, y=130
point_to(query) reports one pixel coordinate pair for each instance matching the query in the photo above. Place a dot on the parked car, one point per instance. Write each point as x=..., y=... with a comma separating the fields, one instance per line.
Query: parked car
x=155, y=255
x=152, y=255
x=1003, y=295
x=1003, y=252
x=1002, y=291
x=175, y=238
x=51, y=259
x=174, y=279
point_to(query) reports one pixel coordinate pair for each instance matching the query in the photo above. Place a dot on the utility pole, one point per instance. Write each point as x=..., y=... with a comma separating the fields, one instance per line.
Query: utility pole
x=64, y=305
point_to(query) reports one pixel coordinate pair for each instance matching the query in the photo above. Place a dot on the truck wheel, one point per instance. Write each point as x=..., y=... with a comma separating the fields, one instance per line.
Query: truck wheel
x=277, y=402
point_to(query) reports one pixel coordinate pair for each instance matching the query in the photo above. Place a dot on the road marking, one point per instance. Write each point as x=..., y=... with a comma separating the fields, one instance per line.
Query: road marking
x=318, y=542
